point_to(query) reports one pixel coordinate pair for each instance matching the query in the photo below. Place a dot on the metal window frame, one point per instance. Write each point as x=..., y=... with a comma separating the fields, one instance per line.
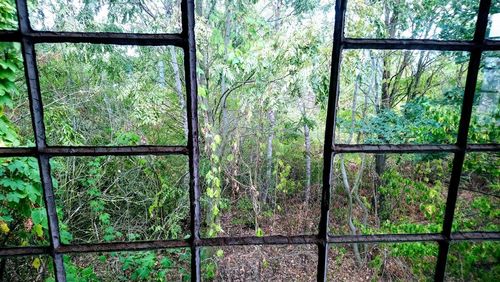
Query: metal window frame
x=186, y=40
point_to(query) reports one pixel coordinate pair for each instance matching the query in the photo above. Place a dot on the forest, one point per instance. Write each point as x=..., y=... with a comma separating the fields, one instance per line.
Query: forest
x=263, y=71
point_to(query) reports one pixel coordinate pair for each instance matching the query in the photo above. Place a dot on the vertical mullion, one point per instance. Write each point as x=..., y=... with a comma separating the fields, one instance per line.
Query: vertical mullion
x=338, y=35
x=36, y=109
x=458, y=161
x=188, y=22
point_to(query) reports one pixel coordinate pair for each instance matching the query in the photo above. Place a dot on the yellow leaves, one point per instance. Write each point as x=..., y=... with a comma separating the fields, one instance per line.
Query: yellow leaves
x=39, y=230
x=430, y=210
x=4, y=228
x=217, y=139
x=36, y=263
x=220, y=253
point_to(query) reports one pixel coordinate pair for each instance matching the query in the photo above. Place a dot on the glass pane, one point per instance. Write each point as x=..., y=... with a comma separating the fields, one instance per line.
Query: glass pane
x=382, y=262
x=473, y=261
x=23, y=218
x=389, y=193
x=400, y=97
x=165, y=265
x=149, y=16
x=112, y=95
x=416, y=19
x=20, y=269
x=478, y=202
x=485, y=123
x=8, y=15
x=15, y=119
x=263, y=91
x=260, y=263
x=493, y=31
x=107, y=199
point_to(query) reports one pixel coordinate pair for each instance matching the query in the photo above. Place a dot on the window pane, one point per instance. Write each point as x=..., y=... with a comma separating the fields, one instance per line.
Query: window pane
x=112, y=95
x=263, y=85
x=382, y=262
x=493, y=31
x=15, y=120
x=260, y=263
x=23, y=218
x=478, y=202
x=485, y=123
x=400, y=96
x=150, y=16
x=473, y=261
x=165, y=265
x=20, y=269
x=106, y=199
x=388, y=193
x=416, y=19
x=8, y=15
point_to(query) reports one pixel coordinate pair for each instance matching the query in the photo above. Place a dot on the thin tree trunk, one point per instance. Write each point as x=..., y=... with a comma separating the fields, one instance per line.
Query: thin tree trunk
x=269, y=156
x=307, y=143
x=178, y=88
x=357, y=182
x=224, y=123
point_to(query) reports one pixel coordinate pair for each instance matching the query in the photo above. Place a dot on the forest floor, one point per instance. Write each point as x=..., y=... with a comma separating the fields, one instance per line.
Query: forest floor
x=299, y=262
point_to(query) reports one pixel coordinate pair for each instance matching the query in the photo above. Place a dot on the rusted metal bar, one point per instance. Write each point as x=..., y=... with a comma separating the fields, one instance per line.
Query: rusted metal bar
x=36, y=110
x=475, y=236
x=333, y=94
x=419, y=44
x=188, y=21
x=388, y=148
x=23, y=251
x=491, y=45
x=483, y=148
x=145, y=39
x=250, y=240
x=124, y=246
x=254, y=240
x=10, y=36
x=183, y=150
x=94, y=151
x=385, y=238
x=114, y=38
x=116, y=151
x=458, y=161
x=18, y=152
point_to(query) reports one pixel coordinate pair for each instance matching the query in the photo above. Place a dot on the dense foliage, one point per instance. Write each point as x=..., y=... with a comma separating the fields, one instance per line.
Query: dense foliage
x=263, y=76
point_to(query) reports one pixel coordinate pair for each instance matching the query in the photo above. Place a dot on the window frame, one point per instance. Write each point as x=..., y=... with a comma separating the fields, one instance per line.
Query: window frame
x=186, y=40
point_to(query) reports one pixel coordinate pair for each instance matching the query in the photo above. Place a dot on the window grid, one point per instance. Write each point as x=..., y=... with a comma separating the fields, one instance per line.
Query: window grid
x=186, y=40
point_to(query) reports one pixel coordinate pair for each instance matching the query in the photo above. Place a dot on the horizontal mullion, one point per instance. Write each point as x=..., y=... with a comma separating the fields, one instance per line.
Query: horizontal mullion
x=483, y=147
x=123, y=246
x=94, y=151
x=18, y=152
x=410, y=148
x=250, y=240
x=23, y=251
x=475, y=236
x=256, y=240
x=384, y=238
x=402, y=238
x=144, y=39
x=417, y=44
x=389, y=148
x=115, y=150
x=491, y=45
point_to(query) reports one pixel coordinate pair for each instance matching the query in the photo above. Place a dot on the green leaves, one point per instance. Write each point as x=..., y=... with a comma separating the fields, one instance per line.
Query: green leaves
x=39, y=216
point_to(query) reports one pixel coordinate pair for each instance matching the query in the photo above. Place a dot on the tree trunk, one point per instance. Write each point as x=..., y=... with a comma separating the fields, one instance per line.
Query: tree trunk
x=224, y=119
x=178, y=88
x=307, y=143
x=269, y=157
x=199, y=7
